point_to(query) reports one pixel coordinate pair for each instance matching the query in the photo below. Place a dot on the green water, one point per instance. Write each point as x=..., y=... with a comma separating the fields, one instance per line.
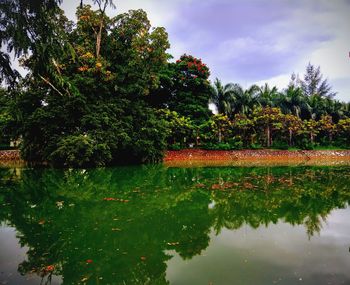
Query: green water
x=158, y=225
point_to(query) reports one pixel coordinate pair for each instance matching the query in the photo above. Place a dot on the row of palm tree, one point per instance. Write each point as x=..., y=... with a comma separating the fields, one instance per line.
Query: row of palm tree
x=231, y=99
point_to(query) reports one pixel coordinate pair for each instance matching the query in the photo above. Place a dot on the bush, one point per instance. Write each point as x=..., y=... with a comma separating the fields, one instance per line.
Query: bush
x=305, y=144
x=280, y=145
x=223, y=146
x=80, y=151
x=256, y=146
x=175, y=146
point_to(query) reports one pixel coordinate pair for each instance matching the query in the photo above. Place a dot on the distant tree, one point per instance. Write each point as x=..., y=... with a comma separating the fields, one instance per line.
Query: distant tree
x=292, y=125
x=243, y=129
x=245, y=100
x=270, y=120
x=223, y=97
x=293, y=101
x=191, y=89
x=266, y=96
x=179, y=129
x=313, y=83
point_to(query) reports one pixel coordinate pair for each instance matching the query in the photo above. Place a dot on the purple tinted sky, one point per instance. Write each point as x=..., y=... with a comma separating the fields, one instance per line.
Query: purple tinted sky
x=255, y=41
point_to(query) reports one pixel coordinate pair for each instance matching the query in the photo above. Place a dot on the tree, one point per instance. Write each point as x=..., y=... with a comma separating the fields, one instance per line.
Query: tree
x=221, y=127
x=293, y=101
x=244, y=100
x=35, y=28
x=92, y=110
x=4, y=116
x=270, y=119
x=293, y=125
x=311, y=128
x=267, y=96
x=222, y=97
x=179, y=129
x=191, y=89
x=313, y=83
x=327, y=128
x=102, y=5
x=243, y=129
x=343, y=131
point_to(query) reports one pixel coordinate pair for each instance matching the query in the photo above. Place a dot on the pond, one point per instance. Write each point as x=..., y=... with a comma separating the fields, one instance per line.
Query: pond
x=163, y=225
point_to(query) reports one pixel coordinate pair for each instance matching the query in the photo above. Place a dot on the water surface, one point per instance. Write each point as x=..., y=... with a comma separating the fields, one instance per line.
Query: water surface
x=159, y=225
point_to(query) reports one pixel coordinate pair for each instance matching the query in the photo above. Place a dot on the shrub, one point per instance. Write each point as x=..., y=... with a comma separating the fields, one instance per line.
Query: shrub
x=80, y=150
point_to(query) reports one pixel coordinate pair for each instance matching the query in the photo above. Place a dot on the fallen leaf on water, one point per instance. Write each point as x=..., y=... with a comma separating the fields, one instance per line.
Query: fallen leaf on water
x=109, y=199
x=249, y=185
x=173, y=243
x=41, y=222
x=216, y=187
x=115, y=199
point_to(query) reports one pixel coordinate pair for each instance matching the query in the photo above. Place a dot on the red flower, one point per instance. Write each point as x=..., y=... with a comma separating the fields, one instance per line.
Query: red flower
x=49, y=268
x=89, y=261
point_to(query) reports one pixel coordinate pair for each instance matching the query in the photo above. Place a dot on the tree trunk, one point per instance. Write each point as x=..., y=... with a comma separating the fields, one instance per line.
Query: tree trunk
x=290, y=137
x=220, y=136
x=312, y=138
x=98, y=40
x=197, y=137
x=268, y=134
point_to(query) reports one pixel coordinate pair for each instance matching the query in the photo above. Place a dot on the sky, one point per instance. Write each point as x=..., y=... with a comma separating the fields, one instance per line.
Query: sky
x=254, y=41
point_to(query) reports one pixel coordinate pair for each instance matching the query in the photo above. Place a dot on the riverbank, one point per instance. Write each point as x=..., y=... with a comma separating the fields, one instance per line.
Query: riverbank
x=198, y=157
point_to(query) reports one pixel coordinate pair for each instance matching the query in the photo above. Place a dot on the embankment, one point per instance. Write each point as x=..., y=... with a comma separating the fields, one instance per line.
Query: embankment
x=197, y=157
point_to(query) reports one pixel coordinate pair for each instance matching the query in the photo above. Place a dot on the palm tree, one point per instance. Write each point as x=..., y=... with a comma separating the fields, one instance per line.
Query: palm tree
x=245, y=100
x=267, y=97
x=293, y=101
x=222, y=97
x=345, y=108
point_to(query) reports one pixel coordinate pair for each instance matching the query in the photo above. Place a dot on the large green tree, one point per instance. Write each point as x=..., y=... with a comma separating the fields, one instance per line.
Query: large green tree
x=91, y=109
x=191, y=90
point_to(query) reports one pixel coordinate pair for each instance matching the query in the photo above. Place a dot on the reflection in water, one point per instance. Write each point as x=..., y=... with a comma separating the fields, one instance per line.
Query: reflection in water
x=119, y=225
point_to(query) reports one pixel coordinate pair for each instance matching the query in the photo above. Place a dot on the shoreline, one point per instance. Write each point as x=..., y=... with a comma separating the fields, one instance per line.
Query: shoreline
x=200, y=157
x=264, y=157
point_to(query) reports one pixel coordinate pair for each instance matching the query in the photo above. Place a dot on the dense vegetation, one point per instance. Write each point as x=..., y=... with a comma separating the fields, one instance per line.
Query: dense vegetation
x=104, y=90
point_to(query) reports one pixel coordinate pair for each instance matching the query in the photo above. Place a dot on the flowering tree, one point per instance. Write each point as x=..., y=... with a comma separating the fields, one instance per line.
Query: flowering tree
x=270, y=119
x=191, y=89
x=292, y=124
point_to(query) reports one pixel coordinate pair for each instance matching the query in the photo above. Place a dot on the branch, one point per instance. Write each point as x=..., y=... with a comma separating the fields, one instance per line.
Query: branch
x=51, y=85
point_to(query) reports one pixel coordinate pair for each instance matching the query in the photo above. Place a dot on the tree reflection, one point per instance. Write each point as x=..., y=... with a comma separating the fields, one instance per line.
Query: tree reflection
x=120, y=225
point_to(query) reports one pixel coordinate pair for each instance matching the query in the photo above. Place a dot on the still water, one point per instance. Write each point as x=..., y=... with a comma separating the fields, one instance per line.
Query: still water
x=161, y=225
